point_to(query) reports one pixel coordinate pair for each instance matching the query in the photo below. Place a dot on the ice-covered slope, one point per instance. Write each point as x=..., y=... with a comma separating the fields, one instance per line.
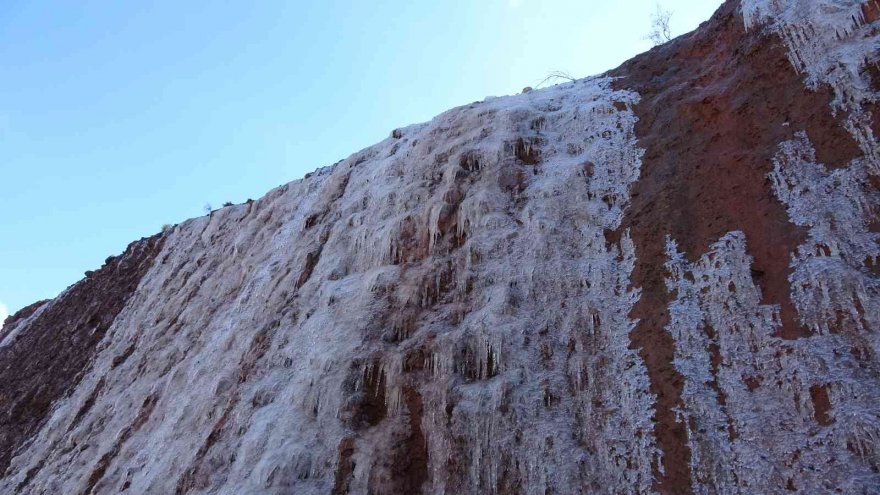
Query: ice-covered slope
x=662, y=279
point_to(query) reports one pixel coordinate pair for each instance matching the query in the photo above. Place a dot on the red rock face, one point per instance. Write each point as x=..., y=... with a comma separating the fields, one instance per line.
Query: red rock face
x=660, y=280
x=871, y=11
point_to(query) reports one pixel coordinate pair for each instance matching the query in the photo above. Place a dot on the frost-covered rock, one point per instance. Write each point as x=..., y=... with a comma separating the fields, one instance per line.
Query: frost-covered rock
x=762, y=411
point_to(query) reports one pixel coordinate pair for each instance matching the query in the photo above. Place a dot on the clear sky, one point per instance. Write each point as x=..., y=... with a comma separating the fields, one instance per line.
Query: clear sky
x=119, y=117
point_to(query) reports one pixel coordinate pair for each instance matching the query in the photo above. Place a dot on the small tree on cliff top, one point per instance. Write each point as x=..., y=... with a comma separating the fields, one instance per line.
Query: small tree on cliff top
x=660, y=32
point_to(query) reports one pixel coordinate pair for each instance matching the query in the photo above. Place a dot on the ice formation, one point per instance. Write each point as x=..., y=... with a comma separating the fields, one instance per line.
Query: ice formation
x=762, y=411
x=833, y=43
x=447, y=297
x=832, y=285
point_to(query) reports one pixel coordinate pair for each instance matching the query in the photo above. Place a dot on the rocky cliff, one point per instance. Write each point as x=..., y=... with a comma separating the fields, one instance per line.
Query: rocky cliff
x=663, y=279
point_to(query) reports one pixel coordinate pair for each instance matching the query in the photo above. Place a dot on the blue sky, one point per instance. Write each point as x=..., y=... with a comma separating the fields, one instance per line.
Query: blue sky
x=119, y=117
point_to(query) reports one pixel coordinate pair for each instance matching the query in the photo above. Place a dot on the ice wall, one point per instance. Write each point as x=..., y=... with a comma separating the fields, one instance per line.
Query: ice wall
x=443, y=310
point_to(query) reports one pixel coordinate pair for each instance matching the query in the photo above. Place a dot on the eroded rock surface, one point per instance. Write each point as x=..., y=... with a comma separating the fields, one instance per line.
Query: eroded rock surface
x=659, y=280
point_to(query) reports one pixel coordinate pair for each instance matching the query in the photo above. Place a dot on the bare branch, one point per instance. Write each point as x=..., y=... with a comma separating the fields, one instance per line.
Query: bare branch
x=660, y=31
x=556, y=75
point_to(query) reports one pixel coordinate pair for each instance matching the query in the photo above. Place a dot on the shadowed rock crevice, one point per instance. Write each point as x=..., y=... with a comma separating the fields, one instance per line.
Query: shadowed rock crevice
x=344, y=467
x=411, y=456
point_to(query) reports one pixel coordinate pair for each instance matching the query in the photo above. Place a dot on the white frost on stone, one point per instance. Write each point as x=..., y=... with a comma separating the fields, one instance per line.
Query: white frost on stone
x=752, y=401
